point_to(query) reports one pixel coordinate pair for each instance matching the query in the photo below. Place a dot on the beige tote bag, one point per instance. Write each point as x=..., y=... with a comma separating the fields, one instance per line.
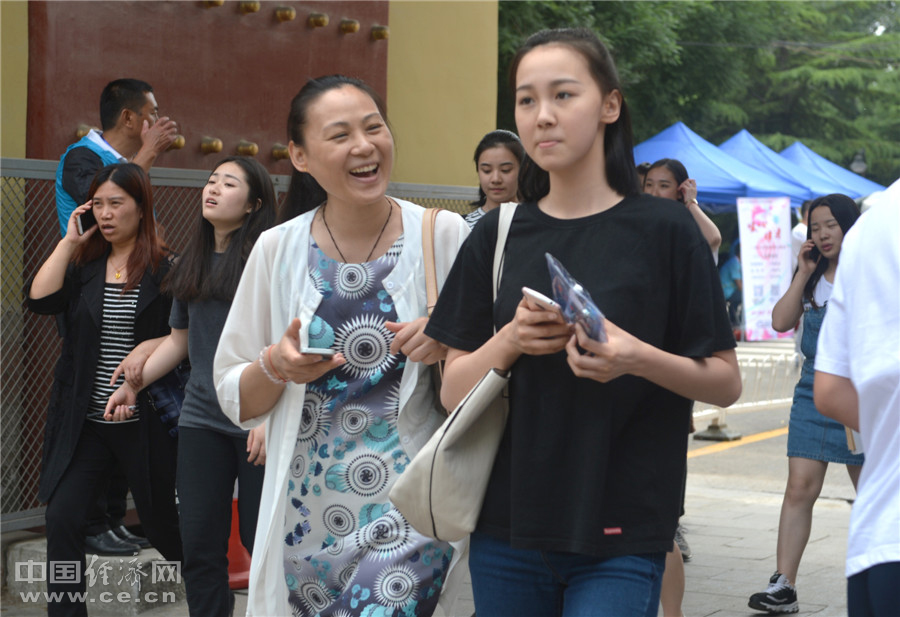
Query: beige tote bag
x=441, y=491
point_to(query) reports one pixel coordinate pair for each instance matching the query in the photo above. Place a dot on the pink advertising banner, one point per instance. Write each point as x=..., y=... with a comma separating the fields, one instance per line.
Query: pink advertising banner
x=765, y=232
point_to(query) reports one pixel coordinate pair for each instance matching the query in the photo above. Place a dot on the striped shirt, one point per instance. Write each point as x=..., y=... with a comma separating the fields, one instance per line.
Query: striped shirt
x=116, y=342
x=474, y=216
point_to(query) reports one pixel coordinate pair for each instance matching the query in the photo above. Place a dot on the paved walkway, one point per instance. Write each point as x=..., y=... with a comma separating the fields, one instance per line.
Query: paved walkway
x=734, y=494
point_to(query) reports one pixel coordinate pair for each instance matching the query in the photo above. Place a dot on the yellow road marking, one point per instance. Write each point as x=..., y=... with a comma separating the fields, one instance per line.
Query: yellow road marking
x=727, y=445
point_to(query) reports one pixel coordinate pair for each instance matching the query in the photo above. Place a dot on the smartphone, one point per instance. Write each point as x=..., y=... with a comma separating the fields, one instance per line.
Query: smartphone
x=540, y=299
x=85, y=221
x=318, y=351
x=814, y=254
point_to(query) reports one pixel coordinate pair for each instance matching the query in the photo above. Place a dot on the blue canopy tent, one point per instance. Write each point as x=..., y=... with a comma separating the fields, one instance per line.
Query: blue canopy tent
x=849, y=183
x=721, y=178
x=750, y=150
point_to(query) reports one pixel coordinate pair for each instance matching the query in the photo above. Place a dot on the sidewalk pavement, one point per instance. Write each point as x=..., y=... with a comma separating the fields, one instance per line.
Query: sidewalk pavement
x=732, y=534
x=734, y=494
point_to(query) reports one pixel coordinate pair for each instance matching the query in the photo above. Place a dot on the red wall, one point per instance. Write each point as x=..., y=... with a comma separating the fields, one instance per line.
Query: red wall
x=213, y=70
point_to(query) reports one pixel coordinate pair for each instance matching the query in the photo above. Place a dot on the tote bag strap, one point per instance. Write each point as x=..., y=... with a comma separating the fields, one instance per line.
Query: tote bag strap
x=507, y=210
x=431, y=289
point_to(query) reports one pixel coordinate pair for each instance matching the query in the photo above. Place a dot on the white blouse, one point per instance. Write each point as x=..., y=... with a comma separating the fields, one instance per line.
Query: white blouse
x=274, y=289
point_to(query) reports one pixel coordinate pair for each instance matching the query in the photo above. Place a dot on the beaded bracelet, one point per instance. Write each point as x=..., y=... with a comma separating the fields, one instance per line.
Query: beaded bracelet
x=262, y=364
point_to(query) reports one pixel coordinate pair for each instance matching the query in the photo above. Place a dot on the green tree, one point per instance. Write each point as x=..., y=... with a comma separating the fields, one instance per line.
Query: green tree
x=824, y=73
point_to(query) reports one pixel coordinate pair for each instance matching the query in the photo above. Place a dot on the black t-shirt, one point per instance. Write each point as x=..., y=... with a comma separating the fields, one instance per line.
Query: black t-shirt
x=79, y=169
x=586, y=467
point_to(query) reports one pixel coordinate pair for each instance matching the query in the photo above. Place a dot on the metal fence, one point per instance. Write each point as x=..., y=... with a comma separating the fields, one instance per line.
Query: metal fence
x=769, y=373
x=29, y=344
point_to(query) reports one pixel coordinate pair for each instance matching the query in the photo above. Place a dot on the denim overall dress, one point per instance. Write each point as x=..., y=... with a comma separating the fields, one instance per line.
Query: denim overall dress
x=810, y=434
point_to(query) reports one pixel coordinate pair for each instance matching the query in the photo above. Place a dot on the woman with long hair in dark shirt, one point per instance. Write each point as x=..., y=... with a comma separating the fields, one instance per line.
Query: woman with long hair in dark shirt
x=237, y=205
x=584, y=492
x=498, y=157
x=106, y=283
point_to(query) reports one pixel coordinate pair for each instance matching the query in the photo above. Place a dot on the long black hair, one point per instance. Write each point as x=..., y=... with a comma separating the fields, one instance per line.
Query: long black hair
x=304, y=193
x=193, y=276
x=618, y=143
x=678, y=170
x=845, y=213
x=497, y=139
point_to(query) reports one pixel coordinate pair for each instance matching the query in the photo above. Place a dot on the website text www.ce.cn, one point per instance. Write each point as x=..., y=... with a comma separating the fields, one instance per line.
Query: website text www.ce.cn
x=104, y=597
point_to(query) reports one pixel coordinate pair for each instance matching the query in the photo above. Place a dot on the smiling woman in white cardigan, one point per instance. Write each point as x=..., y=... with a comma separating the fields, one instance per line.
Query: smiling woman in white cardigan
x=346, y=273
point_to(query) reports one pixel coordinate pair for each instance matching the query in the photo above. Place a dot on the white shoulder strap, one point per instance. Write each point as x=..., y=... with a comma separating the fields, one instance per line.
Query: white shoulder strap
x=507, y=210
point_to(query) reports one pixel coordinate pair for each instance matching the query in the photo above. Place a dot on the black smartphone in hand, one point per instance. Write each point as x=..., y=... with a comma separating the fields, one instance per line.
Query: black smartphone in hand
x=85, y=221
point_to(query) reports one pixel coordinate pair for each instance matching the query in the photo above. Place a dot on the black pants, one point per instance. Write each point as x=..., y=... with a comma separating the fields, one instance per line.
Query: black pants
x=111, y=505
x=208, y=464
x=152, y=481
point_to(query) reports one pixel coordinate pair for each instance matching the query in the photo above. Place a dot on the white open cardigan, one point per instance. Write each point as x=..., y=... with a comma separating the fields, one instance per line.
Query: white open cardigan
x=274, y=289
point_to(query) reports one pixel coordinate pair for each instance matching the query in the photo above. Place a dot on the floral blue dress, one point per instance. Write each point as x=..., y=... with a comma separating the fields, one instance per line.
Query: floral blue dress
x=347, y=550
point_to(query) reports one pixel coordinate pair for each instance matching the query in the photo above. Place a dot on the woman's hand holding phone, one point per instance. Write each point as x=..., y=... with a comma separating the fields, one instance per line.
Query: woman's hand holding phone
x=78, y=228
x=537, y=331
x=289, y=361
x=808, y=258
x=85, y=221
x=121, y=405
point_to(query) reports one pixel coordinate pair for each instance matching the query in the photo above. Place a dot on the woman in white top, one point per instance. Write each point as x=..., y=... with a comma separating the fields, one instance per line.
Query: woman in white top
x=345, y=278
x=813, y=440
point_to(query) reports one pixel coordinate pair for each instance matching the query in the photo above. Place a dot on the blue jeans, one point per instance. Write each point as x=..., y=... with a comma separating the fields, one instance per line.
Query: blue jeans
x=515, y=582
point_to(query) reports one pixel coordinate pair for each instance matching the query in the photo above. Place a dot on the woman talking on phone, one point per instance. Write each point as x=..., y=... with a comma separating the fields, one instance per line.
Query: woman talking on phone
x=106, y=283
x=813, y=439
x=584, y=494
x=237, y=204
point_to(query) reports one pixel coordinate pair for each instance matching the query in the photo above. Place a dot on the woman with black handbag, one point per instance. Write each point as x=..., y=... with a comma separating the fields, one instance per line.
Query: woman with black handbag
x=237, y=204
x=106, y=283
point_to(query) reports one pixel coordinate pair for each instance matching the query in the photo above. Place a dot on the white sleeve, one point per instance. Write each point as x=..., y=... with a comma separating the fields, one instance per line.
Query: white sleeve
x=450, y=231
x=832, y=350
x=247, y=329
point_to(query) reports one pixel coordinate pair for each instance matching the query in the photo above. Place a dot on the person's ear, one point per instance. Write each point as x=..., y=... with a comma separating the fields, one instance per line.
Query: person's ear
x=298, y=157
x=127, y=118
x=611, y=107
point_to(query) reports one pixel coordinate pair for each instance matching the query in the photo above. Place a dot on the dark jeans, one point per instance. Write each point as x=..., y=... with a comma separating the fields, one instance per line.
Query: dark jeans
x=874, y=592
x=152, y=481
x=510, y=582
x=208, y=464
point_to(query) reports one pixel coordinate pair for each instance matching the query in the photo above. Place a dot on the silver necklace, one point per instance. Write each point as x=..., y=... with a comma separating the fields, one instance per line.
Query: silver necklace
x=377, y=240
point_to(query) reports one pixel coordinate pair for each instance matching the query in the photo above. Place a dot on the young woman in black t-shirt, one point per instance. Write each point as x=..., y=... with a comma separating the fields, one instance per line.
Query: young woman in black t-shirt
x=584, y=494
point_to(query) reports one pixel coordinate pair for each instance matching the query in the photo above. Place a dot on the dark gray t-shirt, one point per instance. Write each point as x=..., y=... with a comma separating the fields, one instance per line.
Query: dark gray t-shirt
x=204, y=320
